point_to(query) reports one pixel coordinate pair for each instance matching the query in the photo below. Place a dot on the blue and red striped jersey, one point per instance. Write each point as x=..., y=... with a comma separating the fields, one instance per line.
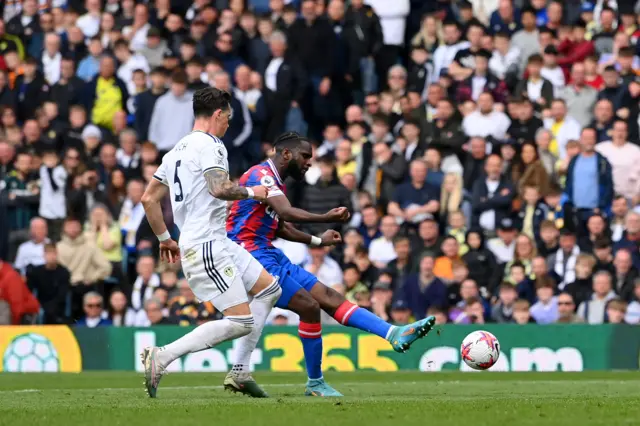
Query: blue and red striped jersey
x=250, y=223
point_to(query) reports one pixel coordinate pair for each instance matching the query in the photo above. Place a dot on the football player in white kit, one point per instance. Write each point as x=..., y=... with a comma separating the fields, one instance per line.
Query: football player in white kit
x=195, y=173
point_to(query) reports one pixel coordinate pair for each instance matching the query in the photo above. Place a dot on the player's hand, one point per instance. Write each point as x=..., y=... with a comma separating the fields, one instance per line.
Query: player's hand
x=169, y=251
x=260, y=193
x=330, y=238
x=339, y=214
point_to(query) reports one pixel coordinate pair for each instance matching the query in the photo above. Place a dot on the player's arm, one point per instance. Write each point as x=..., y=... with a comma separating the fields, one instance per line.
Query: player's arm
x=222, y=188
x=283, y=208
x=153, y=195
x=288, y=232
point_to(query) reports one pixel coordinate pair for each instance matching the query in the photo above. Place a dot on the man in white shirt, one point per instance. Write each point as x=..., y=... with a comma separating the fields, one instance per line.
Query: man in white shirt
x=136, y=33
x=31, y=253
x=505, y=58
x=89, y=23
x=485, y=121
x=381, y=250
x=51, y=58
x=129, y=63
x=625, y=161
x=323, y=267
x=444, y=54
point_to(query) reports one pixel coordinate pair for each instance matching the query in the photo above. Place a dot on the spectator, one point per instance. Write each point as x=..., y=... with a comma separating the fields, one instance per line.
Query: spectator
x=616, y=311
x=327, y=193
x=624, y=158
x=563, y=261
x=545, y=310
x=480, y=261
x=492, y=197
x=53, y=183
x=93, y=310
x=566, y=310
x=589, y=170
x=415, y=199
x=502, y=311
x=563, y=128
x=20, y=193
x=503, y=247
x=16, y=295
x=536, y=88
x=89, y=23
x=505, y=59
x=475, y=162
x=322, y=266
x=89, y=66
x=481, y=80
x=353, y=286
x=391, y=168
x=506, y=18
x=400, y=313
x=146, y=101
x=579, y=97
x=551, y=70
x=119, y=313
x=106, y=94
x=521, y=314
x=443, y=267
x=167, y=126
x=382, y=296
x=582, y=287
x=625, y=274
x=130, y=62
x=526, y=39
x=424, y=289
x=381, y=250
x=631, y=238
x=50, y=283
x=574, y=48
x=633, y=310
x=446, y=52
x=132, y=215
x=145, y=284
x=185, y=309
x=486, y=121
x=593, y=311
x=25, y=24
x=403, y=264
x=31, y=253
x=88, y=267
x=603, y=119
x=105, y=234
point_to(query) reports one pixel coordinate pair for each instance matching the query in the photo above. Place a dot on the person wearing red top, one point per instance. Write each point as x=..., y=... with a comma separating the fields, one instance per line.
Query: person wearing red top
x=574, y=48
x=14, y=291
x=591, y=76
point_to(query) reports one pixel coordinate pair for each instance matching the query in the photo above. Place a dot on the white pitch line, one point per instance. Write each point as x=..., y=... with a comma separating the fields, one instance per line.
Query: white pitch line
x=439, y=383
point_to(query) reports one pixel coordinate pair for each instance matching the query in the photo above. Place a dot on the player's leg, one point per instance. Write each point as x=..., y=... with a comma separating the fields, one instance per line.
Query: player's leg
x=346, y=313
x=212, y=276
x=299, y=282
x=265, y=291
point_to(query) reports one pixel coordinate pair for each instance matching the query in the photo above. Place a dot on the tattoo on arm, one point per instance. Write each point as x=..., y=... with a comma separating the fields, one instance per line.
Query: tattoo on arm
x=222, y=188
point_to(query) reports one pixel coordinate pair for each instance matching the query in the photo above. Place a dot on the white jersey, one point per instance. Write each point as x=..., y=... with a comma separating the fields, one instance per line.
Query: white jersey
x=199, y=215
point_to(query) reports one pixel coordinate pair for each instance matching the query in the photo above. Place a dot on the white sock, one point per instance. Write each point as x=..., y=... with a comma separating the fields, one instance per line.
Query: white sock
x=206, y=336
x=261, y=306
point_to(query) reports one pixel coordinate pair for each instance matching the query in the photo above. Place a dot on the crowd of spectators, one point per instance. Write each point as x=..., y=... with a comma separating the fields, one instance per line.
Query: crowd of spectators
x=488, y=150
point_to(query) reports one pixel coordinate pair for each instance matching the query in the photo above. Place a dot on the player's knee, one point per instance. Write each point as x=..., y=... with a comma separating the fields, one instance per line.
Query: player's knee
x=305, y=305
x=271, y=294
x=240, y=325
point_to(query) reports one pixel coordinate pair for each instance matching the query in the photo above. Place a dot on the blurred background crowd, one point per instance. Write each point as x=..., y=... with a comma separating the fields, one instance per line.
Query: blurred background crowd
x=488, y=150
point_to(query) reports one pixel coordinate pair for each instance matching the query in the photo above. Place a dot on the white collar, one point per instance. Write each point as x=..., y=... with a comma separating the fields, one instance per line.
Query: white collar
x=274, y=170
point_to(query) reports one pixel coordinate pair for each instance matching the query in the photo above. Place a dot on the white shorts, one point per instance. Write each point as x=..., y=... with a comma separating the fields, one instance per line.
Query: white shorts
x=220, y=272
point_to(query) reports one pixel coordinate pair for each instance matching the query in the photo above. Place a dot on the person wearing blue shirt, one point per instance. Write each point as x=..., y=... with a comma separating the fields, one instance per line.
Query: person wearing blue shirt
x=424, y=289
x=589, y=185
x=506, y=19
x=416, y=199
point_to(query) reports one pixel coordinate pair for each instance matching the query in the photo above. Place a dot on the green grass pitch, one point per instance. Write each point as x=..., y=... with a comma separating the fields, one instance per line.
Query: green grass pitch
x=371, y=399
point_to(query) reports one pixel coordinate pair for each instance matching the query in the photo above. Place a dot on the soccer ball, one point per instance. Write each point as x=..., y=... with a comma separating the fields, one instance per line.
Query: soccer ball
x=30, y=353
x=480, y=350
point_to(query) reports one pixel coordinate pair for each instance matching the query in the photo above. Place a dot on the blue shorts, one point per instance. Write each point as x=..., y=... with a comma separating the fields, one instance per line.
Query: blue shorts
x=292, y=277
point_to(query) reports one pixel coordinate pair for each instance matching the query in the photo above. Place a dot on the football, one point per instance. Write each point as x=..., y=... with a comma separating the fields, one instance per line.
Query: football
x=480, y=350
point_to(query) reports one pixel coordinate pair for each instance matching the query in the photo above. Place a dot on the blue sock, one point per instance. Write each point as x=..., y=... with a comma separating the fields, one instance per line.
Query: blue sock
x=353, y=316
x=311, y=336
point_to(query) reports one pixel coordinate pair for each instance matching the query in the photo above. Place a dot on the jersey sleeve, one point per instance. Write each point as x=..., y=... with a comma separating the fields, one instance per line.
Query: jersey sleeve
x=262, y=177
x=213, y=156
x=161, y=174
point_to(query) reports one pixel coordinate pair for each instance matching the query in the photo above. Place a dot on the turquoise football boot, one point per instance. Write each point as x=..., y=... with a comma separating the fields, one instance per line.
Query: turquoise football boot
x=402, y=337
x=318, y=387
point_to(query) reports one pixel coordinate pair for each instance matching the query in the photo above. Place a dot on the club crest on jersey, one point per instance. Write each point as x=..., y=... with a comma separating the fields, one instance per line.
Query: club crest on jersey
x=228, y=271
x=267, y=181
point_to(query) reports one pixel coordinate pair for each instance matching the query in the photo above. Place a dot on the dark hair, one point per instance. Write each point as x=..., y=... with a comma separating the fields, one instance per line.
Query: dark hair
x=180, y=77
x=517, y=264
x=50, y=247
x=627, y=52
x=120, y=43
x=208, y=100
x=288, y=140
x=535, y=58
x=400, y=238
